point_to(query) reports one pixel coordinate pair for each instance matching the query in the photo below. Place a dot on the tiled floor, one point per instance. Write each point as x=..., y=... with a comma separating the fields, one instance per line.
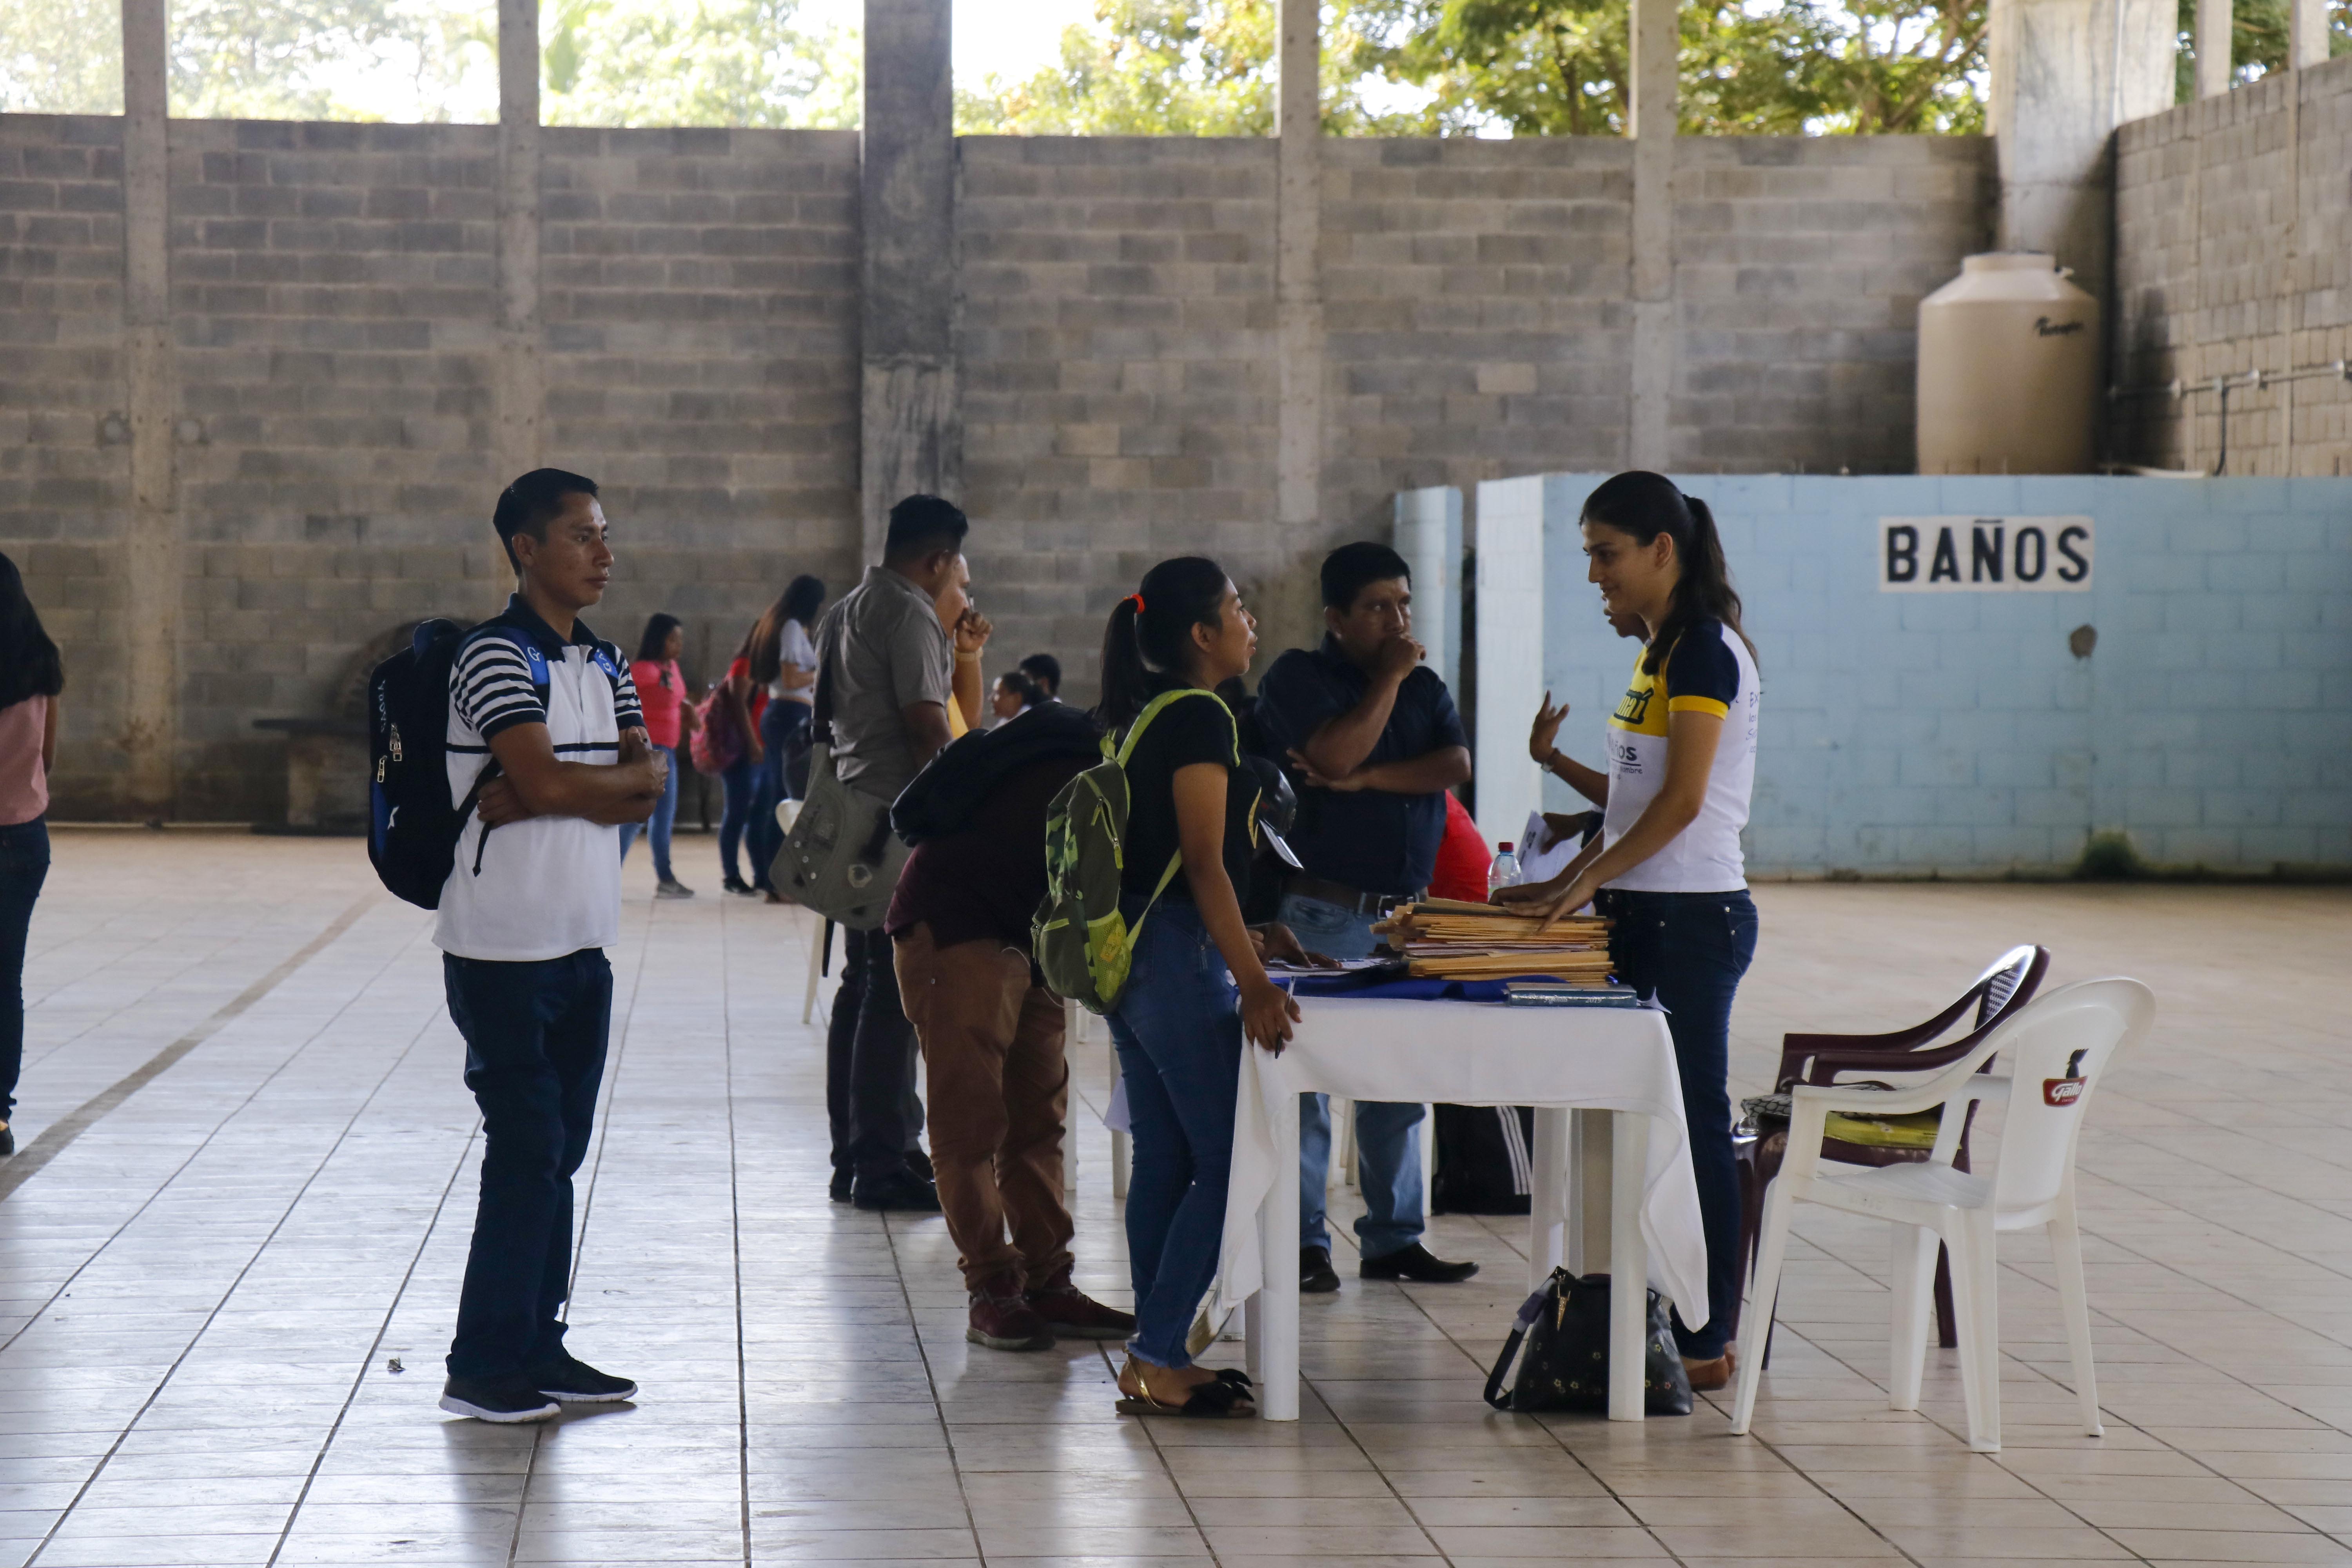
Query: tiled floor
x=224, y=1301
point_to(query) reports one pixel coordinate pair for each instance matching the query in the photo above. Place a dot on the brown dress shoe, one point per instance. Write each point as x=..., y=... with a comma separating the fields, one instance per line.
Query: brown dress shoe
x=1002, y=1319
x=1066, y=1309
x=1706, y=1376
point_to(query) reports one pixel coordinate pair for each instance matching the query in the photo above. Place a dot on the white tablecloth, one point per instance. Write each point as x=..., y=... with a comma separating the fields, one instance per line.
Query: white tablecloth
x=1466, y=1053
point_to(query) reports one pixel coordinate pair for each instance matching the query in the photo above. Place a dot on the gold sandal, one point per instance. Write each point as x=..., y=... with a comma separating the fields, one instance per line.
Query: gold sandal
x=1225, y=1397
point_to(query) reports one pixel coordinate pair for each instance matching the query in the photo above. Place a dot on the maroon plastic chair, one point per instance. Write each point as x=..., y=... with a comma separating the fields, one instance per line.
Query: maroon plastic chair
x=1760, y=1143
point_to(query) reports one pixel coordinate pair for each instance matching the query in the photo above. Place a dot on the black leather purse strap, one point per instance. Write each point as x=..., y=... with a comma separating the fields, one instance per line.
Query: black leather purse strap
x=1529, y=1313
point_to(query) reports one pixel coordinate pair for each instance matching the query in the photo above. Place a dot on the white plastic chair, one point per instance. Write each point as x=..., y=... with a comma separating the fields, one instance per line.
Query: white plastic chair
x=2057, y=1050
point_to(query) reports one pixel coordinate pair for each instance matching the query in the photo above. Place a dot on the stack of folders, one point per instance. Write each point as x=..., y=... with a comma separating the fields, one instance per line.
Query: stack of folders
x=1560, y=993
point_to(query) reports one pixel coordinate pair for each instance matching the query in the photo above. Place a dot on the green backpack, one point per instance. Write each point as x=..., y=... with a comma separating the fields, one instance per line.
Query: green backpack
x=1081, y=942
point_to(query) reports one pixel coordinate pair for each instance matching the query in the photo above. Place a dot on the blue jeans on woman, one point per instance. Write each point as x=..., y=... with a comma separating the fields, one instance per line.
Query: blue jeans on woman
x=24, y=867
x=1177, y=1031
x=656, y=828
x=740, y=786
x=1689, y=950
x=780, y=727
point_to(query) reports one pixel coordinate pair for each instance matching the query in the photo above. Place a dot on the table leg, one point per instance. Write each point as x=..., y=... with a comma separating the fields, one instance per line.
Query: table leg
x=1548, y=1199
x=1273, y=1331
x=1629, y=1263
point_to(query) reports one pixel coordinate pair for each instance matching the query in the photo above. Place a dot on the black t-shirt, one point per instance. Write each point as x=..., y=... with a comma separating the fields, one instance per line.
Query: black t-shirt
x=1194, y=729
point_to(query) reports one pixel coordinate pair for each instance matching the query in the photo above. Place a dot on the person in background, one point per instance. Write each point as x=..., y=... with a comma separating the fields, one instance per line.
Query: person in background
x=890, y=669
x=1670, y=871
x=32, y=674
x=738, y=785
x=992, y=1032
x=1044, y=673
x=661, y=692
x=533, y=902
x=781, y=663
x=1012, y=697
x=1371, y=735
x=1463, y=858
x=1197, y=986
x=968, y=630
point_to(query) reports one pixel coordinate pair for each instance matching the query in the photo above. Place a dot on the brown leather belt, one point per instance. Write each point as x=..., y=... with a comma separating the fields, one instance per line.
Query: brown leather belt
x=1354, y=900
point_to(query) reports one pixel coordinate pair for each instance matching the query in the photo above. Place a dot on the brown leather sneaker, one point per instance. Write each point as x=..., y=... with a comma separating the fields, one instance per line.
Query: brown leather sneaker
x=1066, y=1309
x=1706, y=1376
x=1003, y=1321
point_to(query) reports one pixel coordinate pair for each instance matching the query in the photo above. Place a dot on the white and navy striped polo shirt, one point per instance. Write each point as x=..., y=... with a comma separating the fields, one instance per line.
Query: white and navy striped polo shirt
x=546, y=886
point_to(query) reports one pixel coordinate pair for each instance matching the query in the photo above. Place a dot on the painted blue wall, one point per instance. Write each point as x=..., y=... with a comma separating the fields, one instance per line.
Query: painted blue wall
x=1957, y=733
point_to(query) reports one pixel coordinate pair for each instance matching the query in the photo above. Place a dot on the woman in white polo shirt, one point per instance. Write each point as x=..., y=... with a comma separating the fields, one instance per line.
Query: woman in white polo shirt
x=1682, y=760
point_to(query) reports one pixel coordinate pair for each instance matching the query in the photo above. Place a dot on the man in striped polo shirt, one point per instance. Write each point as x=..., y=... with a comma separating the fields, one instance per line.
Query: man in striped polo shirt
x=550, y=713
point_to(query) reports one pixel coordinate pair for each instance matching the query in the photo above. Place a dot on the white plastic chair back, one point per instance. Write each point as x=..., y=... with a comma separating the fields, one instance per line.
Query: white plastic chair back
x=2056, y=1052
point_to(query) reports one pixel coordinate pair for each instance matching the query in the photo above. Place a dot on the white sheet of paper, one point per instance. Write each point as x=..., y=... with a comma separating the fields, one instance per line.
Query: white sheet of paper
x=1540, y=857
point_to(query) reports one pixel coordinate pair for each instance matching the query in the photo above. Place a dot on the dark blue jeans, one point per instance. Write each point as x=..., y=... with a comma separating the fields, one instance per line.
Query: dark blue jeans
x=534, y=1057
x=740, y=786
x=1177, y=1031
x=780, y=728
x=1689, y=950
x=24, y=867
x=657, y=828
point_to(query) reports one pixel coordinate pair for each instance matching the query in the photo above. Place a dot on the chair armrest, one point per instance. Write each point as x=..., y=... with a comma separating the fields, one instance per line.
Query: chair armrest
x=1866, y=1051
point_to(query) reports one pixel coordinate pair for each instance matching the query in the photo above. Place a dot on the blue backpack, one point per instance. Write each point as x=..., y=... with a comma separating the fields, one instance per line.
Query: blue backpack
x=413, y=828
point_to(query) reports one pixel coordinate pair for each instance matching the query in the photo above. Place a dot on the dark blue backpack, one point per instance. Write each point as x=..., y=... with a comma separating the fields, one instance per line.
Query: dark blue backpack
x=413, y=828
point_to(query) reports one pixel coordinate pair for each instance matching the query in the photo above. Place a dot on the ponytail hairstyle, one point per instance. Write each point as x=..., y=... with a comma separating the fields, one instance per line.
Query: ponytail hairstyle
x=1148, y=646
x=29, y=663
x=1646, y=505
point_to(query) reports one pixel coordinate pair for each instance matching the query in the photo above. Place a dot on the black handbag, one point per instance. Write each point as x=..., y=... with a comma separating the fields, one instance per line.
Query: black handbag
x=1565, y=1326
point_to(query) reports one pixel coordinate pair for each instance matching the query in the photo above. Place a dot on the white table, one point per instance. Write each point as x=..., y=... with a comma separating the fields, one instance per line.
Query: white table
x=1620, y=1062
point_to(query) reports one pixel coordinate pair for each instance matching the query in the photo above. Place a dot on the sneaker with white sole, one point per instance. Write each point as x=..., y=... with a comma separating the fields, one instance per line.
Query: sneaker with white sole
x=499, y=1399
x=574, y=1381
x=673, y=889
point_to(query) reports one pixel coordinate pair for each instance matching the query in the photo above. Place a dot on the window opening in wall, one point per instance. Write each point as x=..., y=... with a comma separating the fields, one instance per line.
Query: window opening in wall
x=403, y=60
x=2258, y=41
x=1420, y=67
x=61, y=56
x=710, y=62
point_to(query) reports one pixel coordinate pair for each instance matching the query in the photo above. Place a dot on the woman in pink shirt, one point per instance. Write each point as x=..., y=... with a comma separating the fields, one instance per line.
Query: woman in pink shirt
x=661, y=692
x=31, y=675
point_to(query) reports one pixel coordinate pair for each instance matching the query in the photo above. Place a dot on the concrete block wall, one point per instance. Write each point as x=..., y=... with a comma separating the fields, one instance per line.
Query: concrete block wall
x=2233, y=225
x=1960, y=733
x=336, y=323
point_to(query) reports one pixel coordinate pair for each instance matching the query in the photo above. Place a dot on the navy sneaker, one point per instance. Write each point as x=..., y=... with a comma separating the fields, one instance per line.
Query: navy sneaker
x=574, y=1381
x=499, y=1399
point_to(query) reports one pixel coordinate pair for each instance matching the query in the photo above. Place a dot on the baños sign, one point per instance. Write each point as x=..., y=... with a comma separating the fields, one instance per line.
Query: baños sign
x=1984, y=555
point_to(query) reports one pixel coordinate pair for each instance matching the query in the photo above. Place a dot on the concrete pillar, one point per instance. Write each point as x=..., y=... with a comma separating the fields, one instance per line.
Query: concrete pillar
x=1656, y=48
x=521, y=391
x=2306, y=33
x=2065, y=73
x=152, y=565
x=2213, y=50
x=910, y=427
x=1298, y=291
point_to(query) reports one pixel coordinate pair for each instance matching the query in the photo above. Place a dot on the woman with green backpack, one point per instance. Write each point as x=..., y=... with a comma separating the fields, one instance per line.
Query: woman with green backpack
x=1196, y=986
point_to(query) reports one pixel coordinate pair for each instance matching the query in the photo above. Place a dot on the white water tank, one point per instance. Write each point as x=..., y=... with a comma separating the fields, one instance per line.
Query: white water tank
x=2009, y=369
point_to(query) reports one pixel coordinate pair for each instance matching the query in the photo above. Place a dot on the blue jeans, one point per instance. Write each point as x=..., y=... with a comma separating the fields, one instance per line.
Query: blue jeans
x=780, y=727
x=740, y=786
x=1177, y=1031
x=1689, y=950
x=24, y=867
x=1388, y=1140
x=656, y=829
x=534, y=1057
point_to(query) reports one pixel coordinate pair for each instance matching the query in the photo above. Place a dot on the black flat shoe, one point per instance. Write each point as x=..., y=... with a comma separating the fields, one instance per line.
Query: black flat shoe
x=1316, y=1275
x=1415, y=1264
x=8, y=1140
x=902, y=1191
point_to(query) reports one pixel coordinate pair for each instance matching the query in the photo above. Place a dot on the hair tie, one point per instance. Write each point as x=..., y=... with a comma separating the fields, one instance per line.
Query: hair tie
x=1137, y=600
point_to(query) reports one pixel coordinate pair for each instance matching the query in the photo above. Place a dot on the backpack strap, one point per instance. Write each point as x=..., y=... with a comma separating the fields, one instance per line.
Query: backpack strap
x=1529, y=1313
x=1152, y=710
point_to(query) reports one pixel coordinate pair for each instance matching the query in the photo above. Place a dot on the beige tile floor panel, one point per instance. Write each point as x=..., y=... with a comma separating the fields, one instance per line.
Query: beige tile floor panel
x=204, y=1294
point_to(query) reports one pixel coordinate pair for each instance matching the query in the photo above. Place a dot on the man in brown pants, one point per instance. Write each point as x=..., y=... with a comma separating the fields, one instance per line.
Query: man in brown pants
x=992, y=1032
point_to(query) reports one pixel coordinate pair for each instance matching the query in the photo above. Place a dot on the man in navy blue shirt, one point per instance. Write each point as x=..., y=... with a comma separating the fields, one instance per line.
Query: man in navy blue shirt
x=1374, y=743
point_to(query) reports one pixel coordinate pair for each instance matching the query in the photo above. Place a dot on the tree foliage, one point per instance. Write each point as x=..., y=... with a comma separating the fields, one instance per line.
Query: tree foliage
x=2258, y=41
x=696, y=62
x=61, y=56
x=1531, y=67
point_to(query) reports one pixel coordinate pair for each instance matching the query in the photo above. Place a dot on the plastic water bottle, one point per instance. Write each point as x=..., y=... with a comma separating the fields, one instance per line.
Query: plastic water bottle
x=1505, y=872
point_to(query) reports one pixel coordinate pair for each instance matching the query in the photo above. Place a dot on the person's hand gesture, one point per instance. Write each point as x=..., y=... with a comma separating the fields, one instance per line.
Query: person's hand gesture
x=500, y=803
x=1278, y=944
x=1268, y=1013
x=1397, y=657
x=1548, y=900
x=1543, y=735
x=972, y=630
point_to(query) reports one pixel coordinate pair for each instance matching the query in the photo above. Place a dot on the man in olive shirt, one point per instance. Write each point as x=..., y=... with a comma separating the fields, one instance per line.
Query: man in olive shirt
x=890, y=669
